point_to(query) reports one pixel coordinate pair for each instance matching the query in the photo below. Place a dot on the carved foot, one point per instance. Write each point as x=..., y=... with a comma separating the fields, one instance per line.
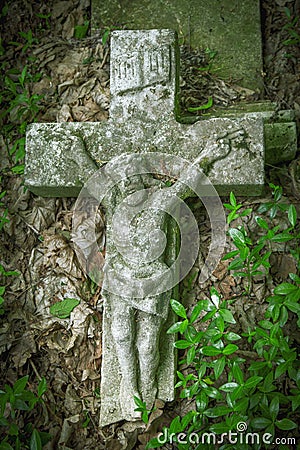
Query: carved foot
x=128, y=406
x=149, y=392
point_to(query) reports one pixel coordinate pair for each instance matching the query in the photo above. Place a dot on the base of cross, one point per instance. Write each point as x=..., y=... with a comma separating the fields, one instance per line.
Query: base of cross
x=111, y=375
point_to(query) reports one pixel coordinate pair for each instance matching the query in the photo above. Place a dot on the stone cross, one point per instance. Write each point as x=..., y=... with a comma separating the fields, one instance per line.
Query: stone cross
x=61, y=157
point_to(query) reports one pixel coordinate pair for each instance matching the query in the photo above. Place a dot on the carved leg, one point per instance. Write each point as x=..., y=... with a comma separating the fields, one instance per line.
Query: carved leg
x=124, y=333
x=148, y=335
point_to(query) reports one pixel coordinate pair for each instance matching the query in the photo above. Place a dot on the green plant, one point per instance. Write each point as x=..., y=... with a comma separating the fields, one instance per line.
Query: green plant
x=5, y=273
x=202, y=107
x=210, y=62
x=142, y=407
x=292, y=28
x=29, y=39
x=63, y=309
x=4, y=11
x=234, y=207
x=226, y=388
x=276, y=204
x=16, y=403
x=80, y=31
x=3, y=216
x=252, y=258
x=105, y=36
x=45, y=19
x=20, y=107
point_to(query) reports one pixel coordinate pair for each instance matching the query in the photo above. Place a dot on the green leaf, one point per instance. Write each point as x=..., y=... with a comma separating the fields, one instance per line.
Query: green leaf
x=292, y=215
x=209, y=350
x=201, y=401
x=182, y=344
x=19, y=169
x=287, y=12
x=155, y=443
x=274, y=408
x=228, y=206
x=213, y=393
x=246, y=212
x=218, y=411
x=232, y=199
x=244, y=253
x=262, y=223
x=260, y=423
x=237, y=237
x=219, y=366
x=220, y=325
x=237, y=263
x=5, y=446
x=23, y=75
x=139, y=402
x=291, y=303
x=80, y=31
x=228, y=387
x=232, y=216
x=229, y=349
x=13, y=430
x=242, y=405
x=215, y=297
x=180, y=375
x=196, y=311
x=145, y=417
x=35, y=441
x=42, y=388
x=282, y=237
x=232, y=336
x=294, y=277
x=178, y=308
x=237, y=373
x=285, y=288
x=266, y=324
x=252, y=381
x=20, y=384
x=220, y=428
x=183, y=326
x=175, y=425
x=63, y=309
x=175, y=328
x=285, y=424
x=187, y=419
x=227, y=315
x=230, y=255
x=201, y=107
x=191, y=355
x=104, y=40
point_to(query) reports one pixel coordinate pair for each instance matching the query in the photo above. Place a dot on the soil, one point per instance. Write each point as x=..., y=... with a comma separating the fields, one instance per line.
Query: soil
x=36, y=239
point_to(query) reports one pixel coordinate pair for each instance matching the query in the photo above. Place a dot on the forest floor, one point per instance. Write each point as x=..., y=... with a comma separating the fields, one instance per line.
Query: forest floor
x=67, y=79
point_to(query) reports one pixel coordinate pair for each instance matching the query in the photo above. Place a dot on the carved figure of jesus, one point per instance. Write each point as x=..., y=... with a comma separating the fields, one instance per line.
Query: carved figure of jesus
x=137, y=321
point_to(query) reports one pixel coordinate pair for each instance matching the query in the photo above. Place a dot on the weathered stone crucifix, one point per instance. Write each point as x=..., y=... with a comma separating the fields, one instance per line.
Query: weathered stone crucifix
x=61, y=157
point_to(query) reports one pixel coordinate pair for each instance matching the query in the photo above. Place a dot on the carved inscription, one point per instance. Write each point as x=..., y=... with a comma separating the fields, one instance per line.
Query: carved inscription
x=142, y=69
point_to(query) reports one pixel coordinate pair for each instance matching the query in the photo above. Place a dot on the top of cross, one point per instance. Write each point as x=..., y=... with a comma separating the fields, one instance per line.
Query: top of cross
x=60, y=157
x=142, y=73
